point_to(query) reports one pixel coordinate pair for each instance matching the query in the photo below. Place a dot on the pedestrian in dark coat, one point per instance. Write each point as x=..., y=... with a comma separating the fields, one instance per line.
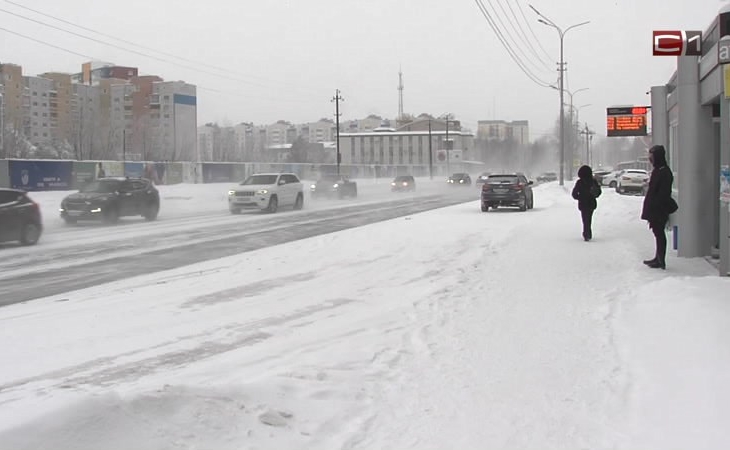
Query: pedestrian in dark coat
x=586, y=191
x=659, y=204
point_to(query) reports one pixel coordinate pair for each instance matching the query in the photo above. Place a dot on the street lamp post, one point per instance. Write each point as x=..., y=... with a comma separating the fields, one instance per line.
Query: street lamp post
x=544, y=20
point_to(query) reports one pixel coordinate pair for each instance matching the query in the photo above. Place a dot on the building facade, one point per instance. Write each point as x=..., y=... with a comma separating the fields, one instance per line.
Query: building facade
x=691, y=118
x=393, y=147
x=501, y=130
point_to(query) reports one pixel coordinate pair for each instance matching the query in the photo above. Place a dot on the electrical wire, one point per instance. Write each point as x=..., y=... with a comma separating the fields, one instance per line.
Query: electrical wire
x=526, y=39
x=199, y=87
x=506, y=32
x=532, y=30
x=99, y=41
x=510, y=51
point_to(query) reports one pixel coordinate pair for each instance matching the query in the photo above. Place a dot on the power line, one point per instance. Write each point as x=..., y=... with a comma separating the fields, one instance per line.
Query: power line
x=526, y=39
x=46, y=43
x=99, y=41
x=514, y=41
x=134, y=44
x=532, y=31
x=199, y=87
x=507, y=47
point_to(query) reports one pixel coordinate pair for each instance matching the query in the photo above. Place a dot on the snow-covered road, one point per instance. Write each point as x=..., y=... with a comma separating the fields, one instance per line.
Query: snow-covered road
x=450, y=328
x=81, y=256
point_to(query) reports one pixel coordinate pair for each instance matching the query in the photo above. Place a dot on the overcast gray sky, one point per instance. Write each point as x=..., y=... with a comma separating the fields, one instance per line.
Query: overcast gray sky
x=267, y=60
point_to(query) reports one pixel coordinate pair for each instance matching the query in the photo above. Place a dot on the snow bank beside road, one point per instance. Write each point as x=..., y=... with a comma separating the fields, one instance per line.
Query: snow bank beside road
x=447, y=329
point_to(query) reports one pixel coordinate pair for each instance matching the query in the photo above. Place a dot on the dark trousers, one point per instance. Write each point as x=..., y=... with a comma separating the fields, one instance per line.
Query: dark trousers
x=587, y=217
x=661, y=240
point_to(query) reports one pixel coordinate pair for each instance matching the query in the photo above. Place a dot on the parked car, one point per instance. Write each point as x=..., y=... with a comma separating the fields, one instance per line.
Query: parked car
x=507, y=190
x=339, y=186
x=108, y=199
x=599, y=174
x=267, y=192
x=632, y=180
x=460, y=179
x=403, y=183
x=611, y=179
x=482, y=178
x=547, y=177
x=20, y=217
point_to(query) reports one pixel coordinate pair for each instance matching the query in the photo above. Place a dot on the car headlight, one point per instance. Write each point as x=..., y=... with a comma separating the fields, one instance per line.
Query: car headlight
x=461, y=181
x=405, y=184
x=263, y=191
x=96, y=210
x=392, y=184
x=314, y=186
x=231, y=192
x=336, y=185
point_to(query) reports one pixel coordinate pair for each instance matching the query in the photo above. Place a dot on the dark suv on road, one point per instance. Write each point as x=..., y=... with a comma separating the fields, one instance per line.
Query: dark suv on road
x=403, y=183
x=339, y=186
x=20, y=217
x=507, y=190
x=108, y=199
x=460, y=179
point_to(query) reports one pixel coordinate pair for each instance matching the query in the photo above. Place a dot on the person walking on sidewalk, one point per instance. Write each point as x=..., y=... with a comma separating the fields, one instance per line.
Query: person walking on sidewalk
x=659, y=204
x=586, y=191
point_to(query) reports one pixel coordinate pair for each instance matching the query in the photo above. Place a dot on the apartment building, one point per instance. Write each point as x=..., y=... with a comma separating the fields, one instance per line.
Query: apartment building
x=176, y=103
x=14, y=99
x=39, y=126
x=517, y=131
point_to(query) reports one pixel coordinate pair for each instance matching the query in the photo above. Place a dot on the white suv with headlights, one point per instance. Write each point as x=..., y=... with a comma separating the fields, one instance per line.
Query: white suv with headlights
x=267, y=192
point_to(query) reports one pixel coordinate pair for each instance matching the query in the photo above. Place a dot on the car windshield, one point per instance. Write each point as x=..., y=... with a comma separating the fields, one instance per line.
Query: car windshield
x=403, y=179
x=502, y=179
x=260, y=180
x=102, y=186
x=459, y=175
x=330, y=178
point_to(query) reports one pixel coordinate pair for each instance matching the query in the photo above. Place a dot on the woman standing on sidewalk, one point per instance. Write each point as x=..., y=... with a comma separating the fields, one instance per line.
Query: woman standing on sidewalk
x=586, y=191
x=659, y=204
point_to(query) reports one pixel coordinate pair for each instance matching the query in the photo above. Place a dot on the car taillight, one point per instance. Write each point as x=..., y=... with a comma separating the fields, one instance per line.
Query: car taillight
x=486, y=187
x=519, y=187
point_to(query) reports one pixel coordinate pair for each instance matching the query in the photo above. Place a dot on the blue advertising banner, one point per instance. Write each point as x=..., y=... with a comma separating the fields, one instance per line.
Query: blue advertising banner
x=41, y=175
x=133, y=169
x=217, y=173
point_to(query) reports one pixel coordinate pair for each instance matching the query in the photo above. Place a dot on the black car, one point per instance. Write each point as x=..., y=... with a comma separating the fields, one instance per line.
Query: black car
x=20, y=217
x=482, y=178
x=507, y=190
x=403, y=183
x=339, y=186
x=460, y=179
x=108, y=199
x=547, y=177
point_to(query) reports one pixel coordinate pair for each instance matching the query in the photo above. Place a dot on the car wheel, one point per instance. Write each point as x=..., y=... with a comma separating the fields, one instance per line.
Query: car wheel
x=234, y=210
x=532, y=203
x=151, y=212
x=30, y=234
x=273, y=204
x=485, y=208
x=299, y=203
x=111, y=216
x=612, y=185
x=69, y=221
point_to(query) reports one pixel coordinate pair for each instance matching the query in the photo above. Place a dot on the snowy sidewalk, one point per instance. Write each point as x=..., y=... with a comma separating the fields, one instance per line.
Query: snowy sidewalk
x=448, y=329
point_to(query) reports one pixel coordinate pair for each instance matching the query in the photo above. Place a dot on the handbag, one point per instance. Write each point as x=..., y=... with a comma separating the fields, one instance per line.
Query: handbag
x=672, y=206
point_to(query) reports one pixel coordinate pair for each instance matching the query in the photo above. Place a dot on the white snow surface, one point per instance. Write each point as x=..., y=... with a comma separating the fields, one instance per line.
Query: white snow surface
x=446, y=329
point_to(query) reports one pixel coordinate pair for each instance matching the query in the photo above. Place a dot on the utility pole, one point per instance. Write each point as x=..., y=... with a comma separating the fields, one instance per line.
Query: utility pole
x=561, y=67
x=589, y=137
x=430, y=151
x=124, y=144
x=448, y=162
x=337, y=99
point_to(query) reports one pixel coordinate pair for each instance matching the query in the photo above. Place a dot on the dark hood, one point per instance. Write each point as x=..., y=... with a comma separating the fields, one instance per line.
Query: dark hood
x=660, y=155
x=585, y=173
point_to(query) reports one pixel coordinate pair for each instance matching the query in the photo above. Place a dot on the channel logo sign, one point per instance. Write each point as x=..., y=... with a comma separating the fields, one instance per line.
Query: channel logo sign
x=677, y=43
